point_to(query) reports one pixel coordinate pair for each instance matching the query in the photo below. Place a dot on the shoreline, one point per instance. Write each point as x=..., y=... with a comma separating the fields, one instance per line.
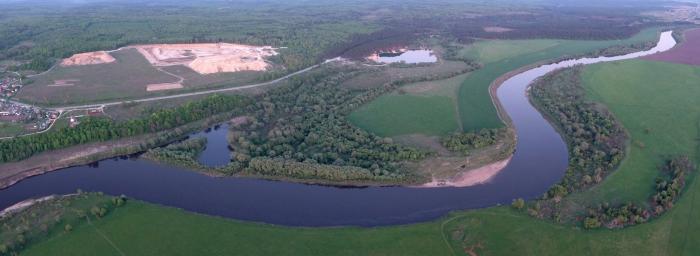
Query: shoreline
x=473, y=177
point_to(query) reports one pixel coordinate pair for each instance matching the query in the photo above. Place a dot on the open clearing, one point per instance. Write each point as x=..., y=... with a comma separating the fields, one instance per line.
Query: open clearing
x=144, y=229
x=208, y=58
x=688, y=52
x=88, y=58
x=392, y=115
x=126, y=77
x=144, y=70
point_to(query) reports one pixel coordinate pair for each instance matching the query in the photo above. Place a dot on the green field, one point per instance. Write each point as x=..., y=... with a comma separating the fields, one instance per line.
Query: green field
x=392, y=115
x=475, y=107
x=8, y=129
x=476, y=110
x=659, y=104
x=658, y=96
x=127, y=77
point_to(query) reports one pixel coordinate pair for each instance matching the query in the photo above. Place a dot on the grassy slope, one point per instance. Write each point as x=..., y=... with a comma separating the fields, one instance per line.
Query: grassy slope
x=142, y=229
x=392, y=115
x=475, y=107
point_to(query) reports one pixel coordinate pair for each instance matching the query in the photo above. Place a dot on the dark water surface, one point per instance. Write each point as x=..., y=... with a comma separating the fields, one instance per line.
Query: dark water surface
x=539, y=161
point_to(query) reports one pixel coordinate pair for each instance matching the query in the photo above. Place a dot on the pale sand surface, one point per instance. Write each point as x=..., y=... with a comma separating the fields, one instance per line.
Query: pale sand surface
x=472, y=177
x=209, y=58
x=497, y=29
x=163, y=86
x=88, y=58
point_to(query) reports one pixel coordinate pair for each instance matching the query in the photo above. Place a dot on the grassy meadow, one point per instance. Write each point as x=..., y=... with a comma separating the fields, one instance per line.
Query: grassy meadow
x=474, y=107
x=657, y=103
x=476, y=110
x=392, y=115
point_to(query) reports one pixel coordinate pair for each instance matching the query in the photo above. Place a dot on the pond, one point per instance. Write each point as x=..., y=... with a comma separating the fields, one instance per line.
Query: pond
x=406, y=56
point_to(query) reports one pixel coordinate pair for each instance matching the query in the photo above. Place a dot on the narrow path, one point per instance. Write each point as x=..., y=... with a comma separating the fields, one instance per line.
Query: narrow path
x=205, y=92
x=99, y=232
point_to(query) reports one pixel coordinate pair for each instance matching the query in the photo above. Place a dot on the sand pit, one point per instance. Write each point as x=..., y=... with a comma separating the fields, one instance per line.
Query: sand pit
x=88, y=58
x=497, y=29
x=209, y=58
x=472, y=177
x=163, y=86
x=687, y=52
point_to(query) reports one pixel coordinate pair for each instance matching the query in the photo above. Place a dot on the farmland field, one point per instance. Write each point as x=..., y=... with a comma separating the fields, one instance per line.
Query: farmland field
x=639, y=93
x=393, y=115
x=688, y=52
x=144, y=229
x=476, y=109
x=125, y=78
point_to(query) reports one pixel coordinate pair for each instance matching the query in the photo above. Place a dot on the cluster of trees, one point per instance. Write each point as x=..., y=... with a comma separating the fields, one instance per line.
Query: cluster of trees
x=102, y=129
x=183, y=153
x=466, y=142
x=669, y=185
x=302, y=124
x=596, y=141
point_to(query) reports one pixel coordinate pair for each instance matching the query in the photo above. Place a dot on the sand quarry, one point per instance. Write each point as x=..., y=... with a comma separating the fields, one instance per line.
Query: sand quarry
x=204, y=59
x=88, y=58
x=208, y=58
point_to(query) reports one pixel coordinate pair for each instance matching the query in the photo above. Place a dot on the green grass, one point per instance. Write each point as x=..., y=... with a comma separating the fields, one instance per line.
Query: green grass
x=143, y=229
x=8, y=129
x=127, y=77
x=476, y=110
x=488, y=51
x=392, y=115
x=659, y=105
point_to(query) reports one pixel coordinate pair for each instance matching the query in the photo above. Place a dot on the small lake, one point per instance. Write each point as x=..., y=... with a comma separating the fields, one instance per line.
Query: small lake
x=408, y=57
x=217, y=152
x=540, y=161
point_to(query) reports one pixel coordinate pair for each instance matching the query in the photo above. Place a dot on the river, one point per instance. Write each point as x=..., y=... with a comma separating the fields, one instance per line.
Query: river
x=539, y=161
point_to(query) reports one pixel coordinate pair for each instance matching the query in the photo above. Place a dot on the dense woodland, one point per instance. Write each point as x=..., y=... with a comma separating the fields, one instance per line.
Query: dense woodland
x=35, y=35
x=95, y=129
x=305, y=122
x=596, y=140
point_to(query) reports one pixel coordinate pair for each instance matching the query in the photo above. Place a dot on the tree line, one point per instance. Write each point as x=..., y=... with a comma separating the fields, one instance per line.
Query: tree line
x=97, y=129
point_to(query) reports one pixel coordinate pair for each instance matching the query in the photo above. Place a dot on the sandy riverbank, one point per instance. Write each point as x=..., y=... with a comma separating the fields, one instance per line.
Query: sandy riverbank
x=472, y=177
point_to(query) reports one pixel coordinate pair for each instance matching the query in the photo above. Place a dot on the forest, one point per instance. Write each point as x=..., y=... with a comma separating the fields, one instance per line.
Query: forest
x=596, y=140
x=36, y=36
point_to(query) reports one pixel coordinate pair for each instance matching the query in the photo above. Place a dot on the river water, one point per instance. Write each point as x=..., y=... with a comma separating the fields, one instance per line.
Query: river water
x=539, y=161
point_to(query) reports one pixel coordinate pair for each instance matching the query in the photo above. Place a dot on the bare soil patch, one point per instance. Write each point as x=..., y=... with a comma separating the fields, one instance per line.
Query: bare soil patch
x=64, y=82
x=688, y=52
x=497, y=29
x=163, y=86
x=88, y=58
x=209, y=58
